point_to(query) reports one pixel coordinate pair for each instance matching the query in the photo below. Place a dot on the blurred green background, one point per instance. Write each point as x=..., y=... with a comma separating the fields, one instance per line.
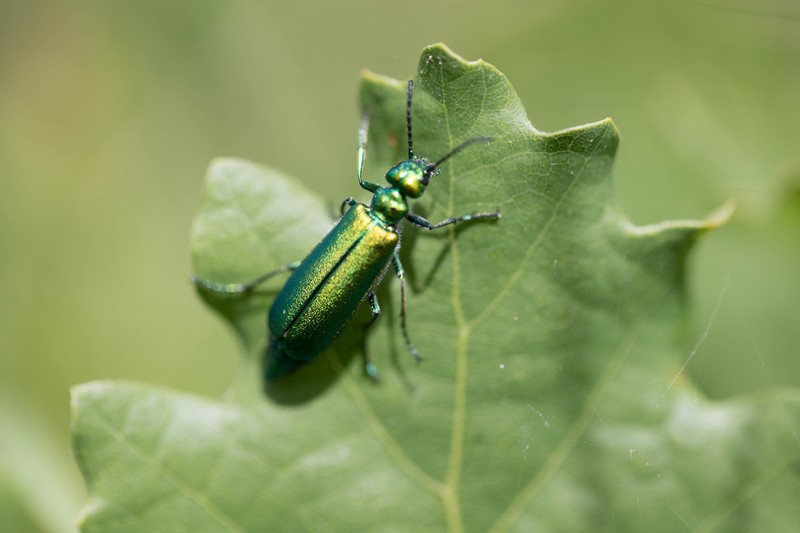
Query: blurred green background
x=111, y=111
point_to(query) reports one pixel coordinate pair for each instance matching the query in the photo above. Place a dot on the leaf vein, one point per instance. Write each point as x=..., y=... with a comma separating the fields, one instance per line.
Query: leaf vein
x=184, y=488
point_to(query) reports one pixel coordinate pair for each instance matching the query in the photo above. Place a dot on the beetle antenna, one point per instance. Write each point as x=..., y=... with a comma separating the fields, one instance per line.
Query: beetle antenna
x=408, y=117
x=432, y=167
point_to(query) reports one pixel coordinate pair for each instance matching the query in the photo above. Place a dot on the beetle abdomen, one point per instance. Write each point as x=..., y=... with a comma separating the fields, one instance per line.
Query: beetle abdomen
x=324, y=291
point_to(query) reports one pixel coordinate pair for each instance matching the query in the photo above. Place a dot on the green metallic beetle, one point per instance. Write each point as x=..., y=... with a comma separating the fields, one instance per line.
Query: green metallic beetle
x=325, y=289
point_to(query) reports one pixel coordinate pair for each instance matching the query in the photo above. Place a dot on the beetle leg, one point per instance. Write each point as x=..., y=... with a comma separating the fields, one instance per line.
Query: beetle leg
x=375, y=307
x=398, y=268
x=239, y=288
x=424, y=224
x=362, y=153
x=348, y=202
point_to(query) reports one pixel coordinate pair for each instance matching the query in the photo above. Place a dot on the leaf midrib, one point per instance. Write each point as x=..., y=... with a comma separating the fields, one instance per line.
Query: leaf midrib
x=448, y=490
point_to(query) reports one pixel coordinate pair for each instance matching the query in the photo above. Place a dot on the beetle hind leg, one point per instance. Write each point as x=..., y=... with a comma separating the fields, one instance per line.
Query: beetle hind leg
x=239, y=288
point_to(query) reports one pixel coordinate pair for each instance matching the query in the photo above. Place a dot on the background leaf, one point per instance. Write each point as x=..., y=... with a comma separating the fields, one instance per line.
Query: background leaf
x=112, y=111
x=552, y=393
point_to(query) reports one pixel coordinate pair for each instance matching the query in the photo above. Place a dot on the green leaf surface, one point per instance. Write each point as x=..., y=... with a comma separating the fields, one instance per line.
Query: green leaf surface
x=551, y=396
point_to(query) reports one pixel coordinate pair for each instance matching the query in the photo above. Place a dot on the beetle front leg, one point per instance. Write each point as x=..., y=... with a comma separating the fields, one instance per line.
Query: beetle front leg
x=363, y=131
x=424, y=224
